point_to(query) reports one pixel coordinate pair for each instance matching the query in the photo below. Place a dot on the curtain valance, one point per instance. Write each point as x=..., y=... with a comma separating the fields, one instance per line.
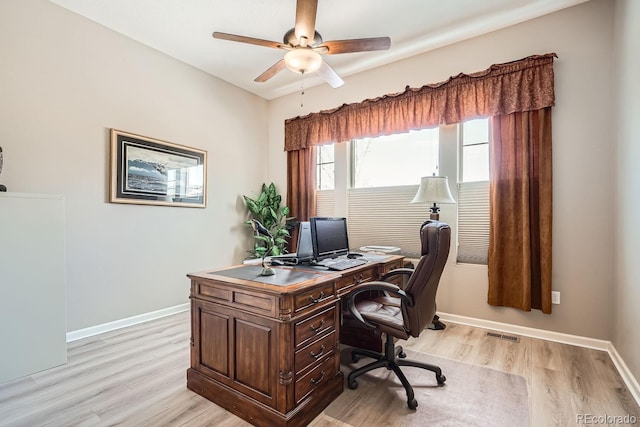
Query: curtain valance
x=518, y=86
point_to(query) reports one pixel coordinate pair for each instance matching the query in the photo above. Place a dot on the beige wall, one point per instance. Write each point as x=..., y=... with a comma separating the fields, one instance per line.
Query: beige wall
x=582, y=260
x=65, y=81
x=626, y=334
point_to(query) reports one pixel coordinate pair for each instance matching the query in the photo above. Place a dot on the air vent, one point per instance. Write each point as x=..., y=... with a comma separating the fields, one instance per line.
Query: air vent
x=511, y=338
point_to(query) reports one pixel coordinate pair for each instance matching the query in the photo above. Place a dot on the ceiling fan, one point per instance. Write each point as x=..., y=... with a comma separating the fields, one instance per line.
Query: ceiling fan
x=304, y=46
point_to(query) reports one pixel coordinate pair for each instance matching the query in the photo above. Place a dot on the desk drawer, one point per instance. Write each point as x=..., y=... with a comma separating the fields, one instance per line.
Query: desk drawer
x=399, y=279
x=314, y=326
x=316, y=378
x=255, y=302
x=314, y=352
x=399, y=263
x=355, y=278
x=312, y=297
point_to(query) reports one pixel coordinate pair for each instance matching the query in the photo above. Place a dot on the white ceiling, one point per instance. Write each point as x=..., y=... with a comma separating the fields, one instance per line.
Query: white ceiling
x=182, y=29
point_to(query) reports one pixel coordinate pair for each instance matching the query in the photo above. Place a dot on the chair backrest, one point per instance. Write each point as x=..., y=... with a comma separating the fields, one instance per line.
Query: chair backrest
x=423, y=282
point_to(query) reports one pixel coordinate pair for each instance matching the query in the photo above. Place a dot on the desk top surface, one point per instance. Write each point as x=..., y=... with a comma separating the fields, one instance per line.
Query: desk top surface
x=285, y=276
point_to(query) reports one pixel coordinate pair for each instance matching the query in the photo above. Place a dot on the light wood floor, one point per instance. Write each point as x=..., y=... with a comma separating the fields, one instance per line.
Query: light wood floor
x=136, y=377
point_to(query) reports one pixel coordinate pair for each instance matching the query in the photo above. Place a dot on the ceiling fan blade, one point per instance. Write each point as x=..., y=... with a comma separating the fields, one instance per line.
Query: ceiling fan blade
x=271, y=71
x=356, y=45
x=249, y=40
x=329, y=75
x=306, y=21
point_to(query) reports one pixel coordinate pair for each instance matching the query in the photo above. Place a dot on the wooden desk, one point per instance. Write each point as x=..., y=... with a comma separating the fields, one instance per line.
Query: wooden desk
x=267, y=348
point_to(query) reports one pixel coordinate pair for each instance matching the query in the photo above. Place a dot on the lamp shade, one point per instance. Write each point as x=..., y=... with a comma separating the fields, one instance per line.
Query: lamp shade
x=302, y=60
x=433, y=189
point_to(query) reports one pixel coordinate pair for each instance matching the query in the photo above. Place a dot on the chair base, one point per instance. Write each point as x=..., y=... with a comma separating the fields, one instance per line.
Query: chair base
x=392, y=359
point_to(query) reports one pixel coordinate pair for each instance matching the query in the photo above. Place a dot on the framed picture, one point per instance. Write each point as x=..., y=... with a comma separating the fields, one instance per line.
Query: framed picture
x=153, y=172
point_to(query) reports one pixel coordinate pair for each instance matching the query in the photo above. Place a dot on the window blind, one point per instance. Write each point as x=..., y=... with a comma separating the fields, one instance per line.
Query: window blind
x=385, y=216
x=325, y=205
x=473, y=222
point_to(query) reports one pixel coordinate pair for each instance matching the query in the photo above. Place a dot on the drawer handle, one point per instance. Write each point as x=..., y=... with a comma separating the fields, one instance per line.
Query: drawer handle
x=316, y=330
x=319, y=380
x=313, y=300
x=317, y=355
x=358, y=280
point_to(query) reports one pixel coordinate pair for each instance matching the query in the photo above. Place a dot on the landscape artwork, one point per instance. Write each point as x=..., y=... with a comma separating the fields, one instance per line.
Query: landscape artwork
x=149, y=171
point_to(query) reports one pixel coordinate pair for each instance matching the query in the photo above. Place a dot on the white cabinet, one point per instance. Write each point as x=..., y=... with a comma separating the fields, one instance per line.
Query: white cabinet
x=32, y=284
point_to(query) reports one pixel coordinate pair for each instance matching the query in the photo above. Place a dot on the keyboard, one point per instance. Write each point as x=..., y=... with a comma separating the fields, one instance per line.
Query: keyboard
x=340, y=264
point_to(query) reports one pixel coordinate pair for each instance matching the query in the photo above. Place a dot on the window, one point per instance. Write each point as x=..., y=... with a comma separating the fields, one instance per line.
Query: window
x=377, y=178
x=325, y=180
x=325, y=167
x=473, y=192
x=475, y=150
x=375, y=196
x=392, y=160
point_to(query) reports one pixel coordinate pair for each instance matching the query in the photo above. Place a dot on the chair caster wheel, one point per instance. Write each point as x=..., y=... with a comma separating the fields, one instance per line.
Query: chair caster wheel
x=441, y=379
x=412, y=404
x=353, y=384
x=354, y=358
x=402, y=354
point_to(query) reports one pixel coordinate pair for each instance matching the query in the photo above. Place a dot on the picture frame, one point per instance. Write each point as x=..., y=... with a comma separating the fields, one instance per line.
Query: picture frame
x=148, y=171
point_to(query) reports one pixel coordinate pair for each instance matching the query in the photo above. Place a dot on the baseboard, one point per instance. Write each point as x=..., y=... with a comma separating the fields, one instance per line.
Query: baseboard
x=628, y=378
x=122, y=323
x=528, y=332
x=625, y=373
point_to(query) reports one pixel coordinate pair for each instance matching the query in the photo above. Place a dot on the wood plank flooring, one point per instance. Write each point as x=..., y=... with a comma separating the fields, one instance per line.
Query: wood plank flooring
x=135, y=376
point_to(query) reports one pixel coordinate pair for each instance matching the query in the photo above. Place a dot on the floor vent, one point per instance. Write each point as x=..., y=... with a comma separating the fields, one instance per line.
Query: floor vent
x=511, y=338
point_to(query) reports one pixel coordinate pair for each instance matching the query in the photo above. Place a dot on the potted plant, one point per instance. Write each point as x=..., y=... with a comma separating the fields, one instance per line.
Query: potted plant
x=267, y=209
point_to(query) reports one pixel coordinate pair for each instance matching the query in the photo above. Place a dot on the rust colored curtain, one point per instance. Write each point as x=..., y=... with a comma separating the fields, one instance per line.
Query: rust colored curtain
x=520, y=211
x=301, y=187
x=522, y=85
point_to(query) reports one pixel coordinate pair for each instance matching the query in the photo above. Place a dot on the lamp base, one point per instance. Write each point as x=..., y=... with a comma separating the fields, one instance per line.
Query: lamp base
x=435, y=212
x=436, y=324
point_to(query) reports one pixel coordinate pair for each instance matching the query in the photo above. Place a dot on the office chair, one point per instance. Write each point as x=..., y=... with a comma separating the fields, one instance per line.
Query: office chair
x=401, y=313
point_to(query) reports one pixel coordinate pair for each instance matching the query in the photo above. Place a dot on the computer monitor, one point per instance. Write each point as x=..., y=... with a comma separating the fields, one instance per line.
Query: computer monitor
x=329, y=237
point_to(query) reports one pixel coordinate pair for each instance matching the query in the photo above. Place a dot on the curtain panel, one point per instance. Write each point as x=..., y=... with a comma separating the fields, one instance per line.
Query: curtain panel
x=520, y=216
x=301, y=188
x=502, y=89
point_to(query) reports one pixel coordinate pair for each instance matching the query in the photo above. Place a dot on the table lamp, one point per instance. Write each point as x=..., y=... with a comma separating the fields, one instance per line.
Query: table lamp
x=434, y=189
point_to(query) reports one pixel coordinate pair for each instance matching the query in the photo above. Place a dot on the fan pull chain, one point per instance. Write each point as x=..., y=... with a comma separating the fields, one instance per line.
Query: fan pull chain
x=302, y=89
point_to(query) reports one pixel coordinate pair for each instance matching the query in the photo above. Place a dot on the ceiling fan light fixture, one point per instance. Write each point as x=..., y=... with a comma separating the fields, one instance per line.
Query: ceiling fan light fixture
x=303, y=60
x=304, y=46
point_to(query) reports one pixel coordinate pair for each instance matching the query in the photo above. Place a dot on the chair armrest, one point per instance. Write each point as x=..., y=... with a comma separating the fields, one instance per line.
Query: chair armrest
x=396, y=272
x=374, y=286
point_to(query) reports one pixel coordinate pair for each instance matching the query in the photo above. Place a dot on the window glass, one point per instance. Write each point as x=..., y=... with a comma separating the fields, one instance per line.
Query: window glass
x=394, y=160
x=476, y=131
x=325, y=173
x=473, y=193
x=475, y=150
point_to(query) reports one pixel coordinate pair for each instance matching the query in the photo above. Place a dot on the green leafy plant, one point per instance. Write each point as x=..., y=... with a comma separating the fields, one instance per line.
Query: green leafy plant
x=267, y=209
